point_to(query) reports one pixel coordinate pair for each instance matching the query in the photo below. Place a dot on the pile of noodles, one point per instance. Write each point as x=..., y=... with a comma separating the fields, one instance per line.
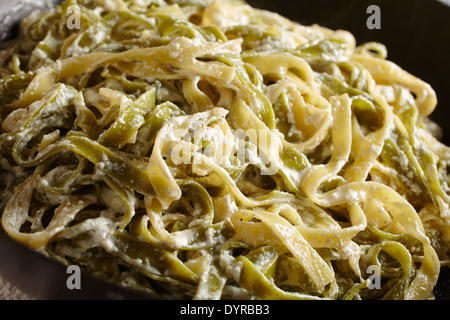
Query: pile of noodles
x=212, y=150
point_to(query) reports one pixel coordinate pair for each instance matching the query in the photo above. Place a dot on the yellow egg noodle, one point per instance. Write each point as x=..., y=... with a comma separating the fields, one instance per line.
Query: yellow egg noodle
x=200, y=149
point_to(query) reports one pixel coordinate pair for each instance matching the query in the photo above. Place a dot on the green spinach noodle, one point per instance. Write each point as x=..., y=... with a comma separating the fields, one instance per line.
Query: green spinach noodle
x=200, y=149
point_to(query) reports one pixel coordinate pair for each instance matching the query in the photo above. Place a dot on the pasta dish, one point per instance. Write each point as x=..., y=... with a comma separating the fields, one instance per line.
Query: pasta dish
x=200, y=149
